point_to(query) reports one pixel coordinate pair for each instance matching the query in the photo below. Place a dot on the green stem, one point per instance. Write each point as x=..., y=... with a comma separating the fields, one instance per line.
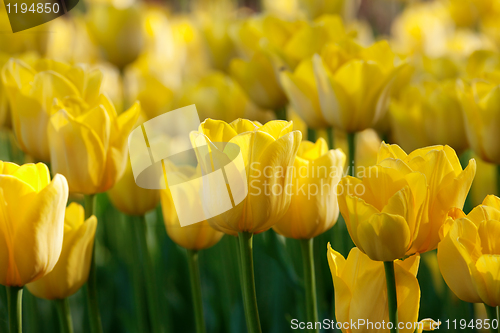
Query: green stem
x=491, y=311
x=311, y=134
x=392, y=298
x=92, y=300
x=309, y=281
x=351, y=143
x=137, y=278
x=14, y=303
x=248, y=282
x=331, y=137
x=194, y=274
x=280, y=113
x=64, y=314
x=149, y=276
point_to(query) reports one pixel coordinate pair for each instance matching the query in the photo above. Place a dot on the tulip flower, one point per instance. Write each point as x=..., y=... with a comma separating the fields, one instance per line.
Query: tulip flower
x=268, y=151
x=428, y=114
x=39, y=223
x=314, y=210
x=468, y=252
x=31, y=93
x=130, y=198
x=302, y=91
x=479, y=101
x=193, y=237
x=88, y=143
x=272, y=146
x=361, y=291
x=196, y=237
x=117, y=31
x=218, y=96
x=32, y=209
x=354, y=83
x=258, y=78
x=398, y=207
x=72, y=268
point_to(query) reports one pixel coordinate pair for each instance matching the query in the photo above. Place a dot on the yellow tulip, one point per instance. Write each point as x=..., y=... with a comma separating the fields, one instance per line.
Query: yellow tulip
x=88, y=144
x=354, y=83
x=268, y=151
x=72, y=268
x=399, y=205
x=314, y=208
x=264, y=32
x=484, y=64
x=117, y=31
x=196, y=236
x=302, y=91
x=480, y=100
x=468, y=254
x=130, y=198
x=428, y=114
x=217, y=96
x=32, y=217
x=219, y=45
x=311, y=39
x=32, y=91
x=258, y=78
x=358, y=279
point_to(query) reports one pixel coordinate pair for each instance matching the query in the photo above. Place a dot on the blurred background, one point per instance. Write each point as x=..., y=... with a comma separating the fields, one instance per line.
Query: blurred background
x=169, y=54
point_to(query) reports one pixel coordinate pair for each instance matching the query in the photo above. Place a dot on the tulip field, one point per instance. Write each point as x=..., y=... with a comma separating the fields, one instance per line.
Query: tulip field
x=223, y=166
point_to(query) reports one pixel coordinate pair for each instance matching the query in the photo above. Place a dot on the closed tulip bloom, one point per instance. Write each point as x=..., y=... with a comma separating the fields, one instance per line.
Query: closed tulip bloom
x=480, y=100
x=72, y=269
x=398, y=207
x=428, y=114
x=469, y=253
x=32, y=91
x=196, y=236
x=130, y=198
x=268, y=151
x=301, y=89
x=314, y=209
x=258, y=79
x=218, y=96
x=32, y=217
x=88, y=143
x=357, y=279
x=118, y=31
x=355, y=83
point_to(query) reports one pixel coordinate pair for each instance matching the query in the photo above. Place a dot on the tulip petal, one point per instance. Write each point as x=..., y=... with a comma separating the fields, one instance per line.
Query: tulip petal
x=390, y=151
x=454, y=264
x=217, y=130
x=42, y=227
x=487, y=278
x=76, y=152
x=385, y=237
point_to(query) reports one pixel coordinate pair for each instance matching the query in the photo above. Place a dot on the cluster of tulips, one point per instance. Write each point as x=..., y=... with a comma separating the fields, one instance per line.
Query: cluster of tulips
x=310, y=94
